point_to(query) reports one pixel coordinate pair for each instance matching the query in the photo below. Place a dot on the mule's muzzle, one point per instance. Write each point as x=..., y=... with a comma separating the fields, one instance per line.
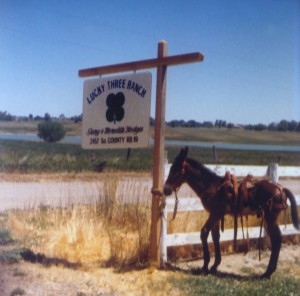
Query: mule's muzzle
x=168, y=190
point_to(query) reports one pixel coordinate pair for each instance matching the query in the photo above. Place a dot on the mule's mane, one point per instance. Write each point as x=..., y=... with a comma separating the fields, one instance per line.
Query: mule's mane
x=202, y=168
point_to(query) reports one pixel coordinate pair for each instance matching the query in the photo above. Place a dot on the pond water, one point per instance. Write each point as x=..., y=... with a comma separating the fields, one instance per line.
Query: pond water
x=30, y=137
x=77, y=140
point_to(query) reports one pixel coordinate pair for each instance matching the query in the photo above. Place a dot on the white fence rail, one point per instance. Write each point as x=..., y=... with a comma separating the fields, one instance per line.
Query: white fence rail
x=257, y=171
x=186, y=204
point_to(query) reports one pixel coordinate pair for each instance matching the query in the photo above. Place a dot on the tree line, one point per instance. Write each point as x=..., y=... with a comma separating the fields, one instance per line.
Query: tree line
x=5, y=116
x=283, y=125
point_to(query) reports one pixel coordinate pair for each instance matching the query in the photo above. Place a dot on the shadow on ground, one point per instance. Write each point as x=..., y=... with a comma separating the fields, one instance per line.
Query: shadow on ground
x=219, y=274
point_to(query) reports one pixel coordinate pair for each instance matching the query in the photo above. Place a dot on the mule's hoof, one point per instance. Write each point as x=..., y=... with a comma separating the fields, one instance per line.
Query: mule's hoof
x=196, y=271
x=265, y=276
x=200, y=271
x=213, y=270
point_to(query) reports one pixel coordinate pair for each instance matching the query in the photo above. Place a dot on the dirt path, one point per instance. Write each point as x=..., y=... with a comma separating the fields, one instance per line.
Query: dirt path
x=36, y=279
x=24, y=195
x=48, y=192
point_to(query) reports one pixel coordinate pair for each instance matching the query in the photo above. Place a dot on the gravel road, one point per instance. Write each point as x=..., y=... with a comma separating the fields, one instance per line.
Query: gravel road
x=23, y=195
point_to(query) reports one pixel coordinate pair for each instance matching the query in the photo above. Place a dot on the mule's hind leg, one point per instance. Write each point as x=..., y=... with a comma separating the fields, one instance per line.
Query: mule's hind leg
x=206, y=256
x=216, y=239
x=275, y=238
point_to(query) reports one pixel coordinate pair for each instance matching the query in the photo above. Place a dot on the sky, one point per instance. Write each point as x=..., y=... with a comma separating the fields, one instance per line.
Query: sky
x=250, y=72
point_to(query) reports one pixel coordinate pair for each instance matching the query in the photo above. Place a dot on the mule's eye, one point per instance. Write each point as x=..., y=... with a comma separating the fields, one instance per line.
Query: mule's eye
x=175, y=170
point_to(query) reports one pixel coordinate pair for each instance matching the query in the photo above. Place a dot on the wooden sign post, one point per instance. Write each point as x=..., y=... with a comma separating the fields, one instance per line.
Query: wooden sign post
x=161, y=63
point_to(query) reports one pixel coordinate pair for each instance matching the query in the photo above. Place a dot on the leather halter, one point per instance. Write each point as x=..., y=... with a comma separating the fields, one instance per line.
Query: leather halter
x=184, y=165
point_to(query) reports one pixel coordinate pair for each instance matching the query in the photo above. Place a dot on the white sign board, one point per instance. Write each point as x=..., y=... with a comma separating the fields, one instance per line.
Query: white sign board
x=116, y=111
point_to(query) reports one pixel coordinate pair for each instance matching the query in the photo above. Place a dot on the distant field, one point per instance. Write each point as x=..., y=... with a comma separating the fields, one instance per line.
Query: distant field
x=224, y=135
x=57, y=157
x=30, y=127
x=240, y=136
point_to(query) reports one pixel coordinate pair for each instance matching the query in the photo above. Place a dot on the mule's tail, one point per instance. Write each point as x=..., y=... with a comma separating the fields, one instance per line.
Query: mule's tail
x=294, y=211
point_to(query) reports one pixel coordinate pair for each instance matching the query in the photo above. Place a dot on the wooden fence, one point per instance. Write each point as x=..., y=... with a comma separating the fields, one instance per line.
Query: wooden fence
x=273, y=171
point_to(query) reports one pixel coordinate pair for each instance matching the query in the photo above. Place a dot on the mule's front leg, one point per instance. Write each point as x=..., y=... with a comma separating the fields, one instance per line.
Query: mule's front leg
x=216, y=240
x=211, y=224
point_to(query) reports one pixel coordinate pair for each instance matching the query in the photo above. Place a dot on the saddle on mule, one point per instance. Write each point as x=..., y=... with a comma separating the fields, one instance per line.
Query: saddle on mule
x=242, y=200
x=243, y=197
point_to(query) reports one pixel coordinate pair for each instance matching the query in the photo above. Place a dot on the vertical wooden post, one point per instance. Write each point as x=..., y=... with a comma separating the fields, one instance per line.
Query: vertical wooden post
x=158, y=156
x=273, y=172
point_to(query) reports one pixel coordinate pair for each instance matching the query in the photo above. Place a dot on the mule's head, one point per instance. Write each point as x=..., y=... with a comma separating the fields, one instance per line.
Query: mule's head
x=177, y=173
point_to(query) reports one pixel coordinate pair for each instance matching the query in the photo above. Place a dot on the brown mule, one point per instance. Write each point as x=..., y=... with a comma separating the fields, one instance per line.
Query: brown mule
x=263, y=197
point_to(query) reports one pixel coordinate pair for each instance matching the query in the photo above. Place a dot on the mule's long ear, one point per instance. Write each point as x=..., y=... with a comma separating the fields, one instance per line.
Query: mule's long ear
x=186, y=151
x=183, y=153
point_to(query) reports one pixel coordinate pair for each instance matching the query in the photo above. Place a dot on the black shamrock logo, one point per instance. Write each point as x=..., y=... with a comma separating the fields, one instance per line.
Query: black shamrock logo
x=115, y=111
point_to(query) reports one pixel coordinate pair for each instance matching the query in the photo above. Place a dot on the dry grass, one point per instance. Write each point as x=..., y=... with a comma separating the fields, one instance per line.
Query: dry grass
x=110, y=232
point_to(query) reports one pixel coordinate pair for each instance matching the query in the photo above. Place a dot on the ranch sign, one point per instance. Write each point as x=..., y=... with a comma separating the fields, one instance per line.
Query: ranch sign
x=116, y=115
x=116, y=111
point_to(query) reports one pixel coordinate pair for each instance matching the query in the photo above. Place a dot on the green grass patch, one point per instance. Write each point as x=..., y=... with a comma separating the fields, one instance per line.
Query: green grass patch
x=28, y=156
x=18, y=292
x=244, y=157
x=5, y=237
x=11, y=256
x=234, y=136
x=210, y=285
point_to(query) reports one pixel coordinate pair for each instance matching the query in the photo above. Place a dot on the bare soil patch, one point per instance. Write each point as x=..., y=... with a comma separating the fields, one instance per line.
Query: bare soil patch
x=36, y=279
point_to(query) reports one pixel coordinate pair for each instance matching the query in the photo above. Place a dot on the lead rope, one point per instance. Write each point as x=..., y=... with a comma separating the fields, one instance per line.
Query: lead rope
x=175, y=208
x=163, y=203
x=260, y=234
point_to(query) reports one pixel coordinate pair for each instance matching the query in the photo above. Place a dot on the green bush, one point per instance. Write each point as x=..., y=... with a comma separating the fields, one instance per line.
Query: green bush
x=51, y=131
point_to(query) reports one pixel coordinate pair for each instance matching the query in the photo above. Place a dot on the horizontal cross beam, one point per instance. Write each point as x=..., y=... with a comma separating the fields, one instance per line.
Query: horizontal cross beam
x=144, y=64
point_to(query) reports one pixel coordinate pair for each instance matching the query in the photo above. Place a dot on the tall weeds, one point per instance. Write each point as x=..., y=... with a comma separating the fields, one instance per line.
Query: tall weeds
x=113, y=231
